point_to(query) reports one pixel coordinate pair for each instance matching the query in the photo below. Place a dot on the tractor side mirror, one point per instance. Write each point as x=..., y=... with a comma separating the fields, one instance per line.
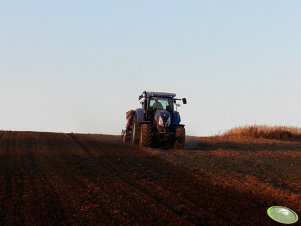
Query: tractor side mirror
x=184, y=101
x=140, y=97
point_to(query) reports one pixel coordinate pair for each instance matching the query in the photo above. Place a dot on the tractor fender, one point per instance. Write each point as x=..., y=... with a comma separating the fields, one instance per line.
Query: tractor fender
x=176, y=118
x=139, y=115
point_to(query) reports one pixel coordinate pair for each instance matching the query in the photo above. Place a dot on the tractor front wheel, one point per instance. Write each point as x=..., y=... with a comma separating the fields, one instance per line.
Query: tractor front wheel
x=179, y=138
x=145, y=135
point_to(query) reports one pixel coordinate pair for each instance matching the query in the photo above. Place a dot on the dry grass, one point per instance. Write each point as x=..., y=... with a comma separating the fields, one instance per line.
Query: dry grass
x=269, y=132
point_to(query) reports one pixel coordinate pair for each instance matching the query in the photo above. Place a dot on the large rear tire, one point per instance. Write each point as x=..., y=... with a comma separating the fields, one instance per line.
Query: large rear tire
x=179, y=138
x=145, y=135
x=135, y=132
x=126, y=138
x=123, y=138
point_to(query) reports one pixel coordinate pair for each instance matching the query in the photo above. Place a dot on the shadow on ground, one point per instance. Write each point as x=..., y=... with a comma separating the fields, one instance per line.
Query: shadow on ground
x=240, y=146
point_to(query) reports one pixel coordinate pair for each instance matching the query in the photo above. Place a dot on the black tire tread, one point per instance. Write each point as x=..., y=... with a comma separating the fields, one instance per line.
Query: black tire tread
x=146, y=135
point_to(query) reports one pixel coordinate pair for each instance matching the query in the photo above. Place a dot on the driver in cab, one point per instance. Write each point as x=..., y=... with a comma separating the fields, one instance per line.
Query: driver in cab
x=157, y=105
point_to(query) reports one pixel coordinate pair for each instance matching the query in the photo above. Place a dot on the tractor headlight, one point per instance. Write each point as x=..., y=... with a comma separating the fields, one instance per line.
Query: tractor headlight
x=161, y=123
x=167, y=122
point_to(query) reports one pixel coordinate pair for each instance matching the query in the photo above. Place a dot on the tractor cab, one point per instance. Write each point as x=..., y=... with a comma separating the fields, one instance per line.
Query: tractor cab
x=153, y=101
x=158, y=103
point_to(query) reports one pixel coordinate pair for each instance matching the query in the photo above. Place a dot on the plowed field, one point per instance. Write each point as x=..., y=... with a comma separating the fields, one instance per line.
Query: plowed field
x=86, y=179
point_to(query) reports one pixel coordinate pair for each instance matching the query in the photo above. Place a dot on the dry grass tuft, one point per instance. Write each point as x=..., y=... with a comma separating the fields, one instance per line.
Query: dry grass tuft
x=268, y=132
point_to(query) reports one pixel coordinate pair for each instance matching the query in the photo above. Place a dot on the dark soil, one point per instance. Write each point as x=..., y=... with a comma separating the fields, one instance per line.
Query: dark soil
x=80, y=179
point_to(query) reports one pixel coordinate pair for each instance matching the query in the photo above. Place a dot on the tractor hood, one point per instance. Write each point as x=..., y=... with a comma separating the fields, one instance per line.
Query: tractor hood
x=162, y=119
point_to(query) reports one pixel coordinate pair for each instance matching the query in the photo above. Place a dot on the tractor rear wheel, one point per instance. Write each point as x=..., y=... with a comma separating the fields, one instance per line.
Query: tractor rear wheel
x=135, y=132
x=179, y=138
x=145, y=135
x=126, y=138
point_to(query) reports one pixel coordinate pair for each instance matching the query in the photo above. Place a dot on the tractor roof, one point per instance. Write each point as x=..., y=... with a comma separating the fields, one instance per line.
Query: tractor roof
x=159, y=94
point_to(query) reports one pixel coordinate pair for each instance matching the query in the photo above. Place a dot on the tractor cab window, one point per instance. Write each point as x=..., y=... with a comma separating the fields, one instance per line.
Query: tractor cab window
x=161, y=104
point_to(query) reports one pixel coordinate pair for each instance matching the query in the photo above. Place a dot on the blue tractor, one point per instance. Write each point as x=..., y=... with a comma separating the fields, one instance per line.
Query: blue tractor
x=156, y=123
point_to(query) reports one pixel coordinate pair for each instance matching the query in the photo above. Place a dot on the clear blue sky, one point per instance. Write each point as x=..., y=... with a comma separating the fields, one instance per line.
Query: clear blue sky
x=80, y=65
